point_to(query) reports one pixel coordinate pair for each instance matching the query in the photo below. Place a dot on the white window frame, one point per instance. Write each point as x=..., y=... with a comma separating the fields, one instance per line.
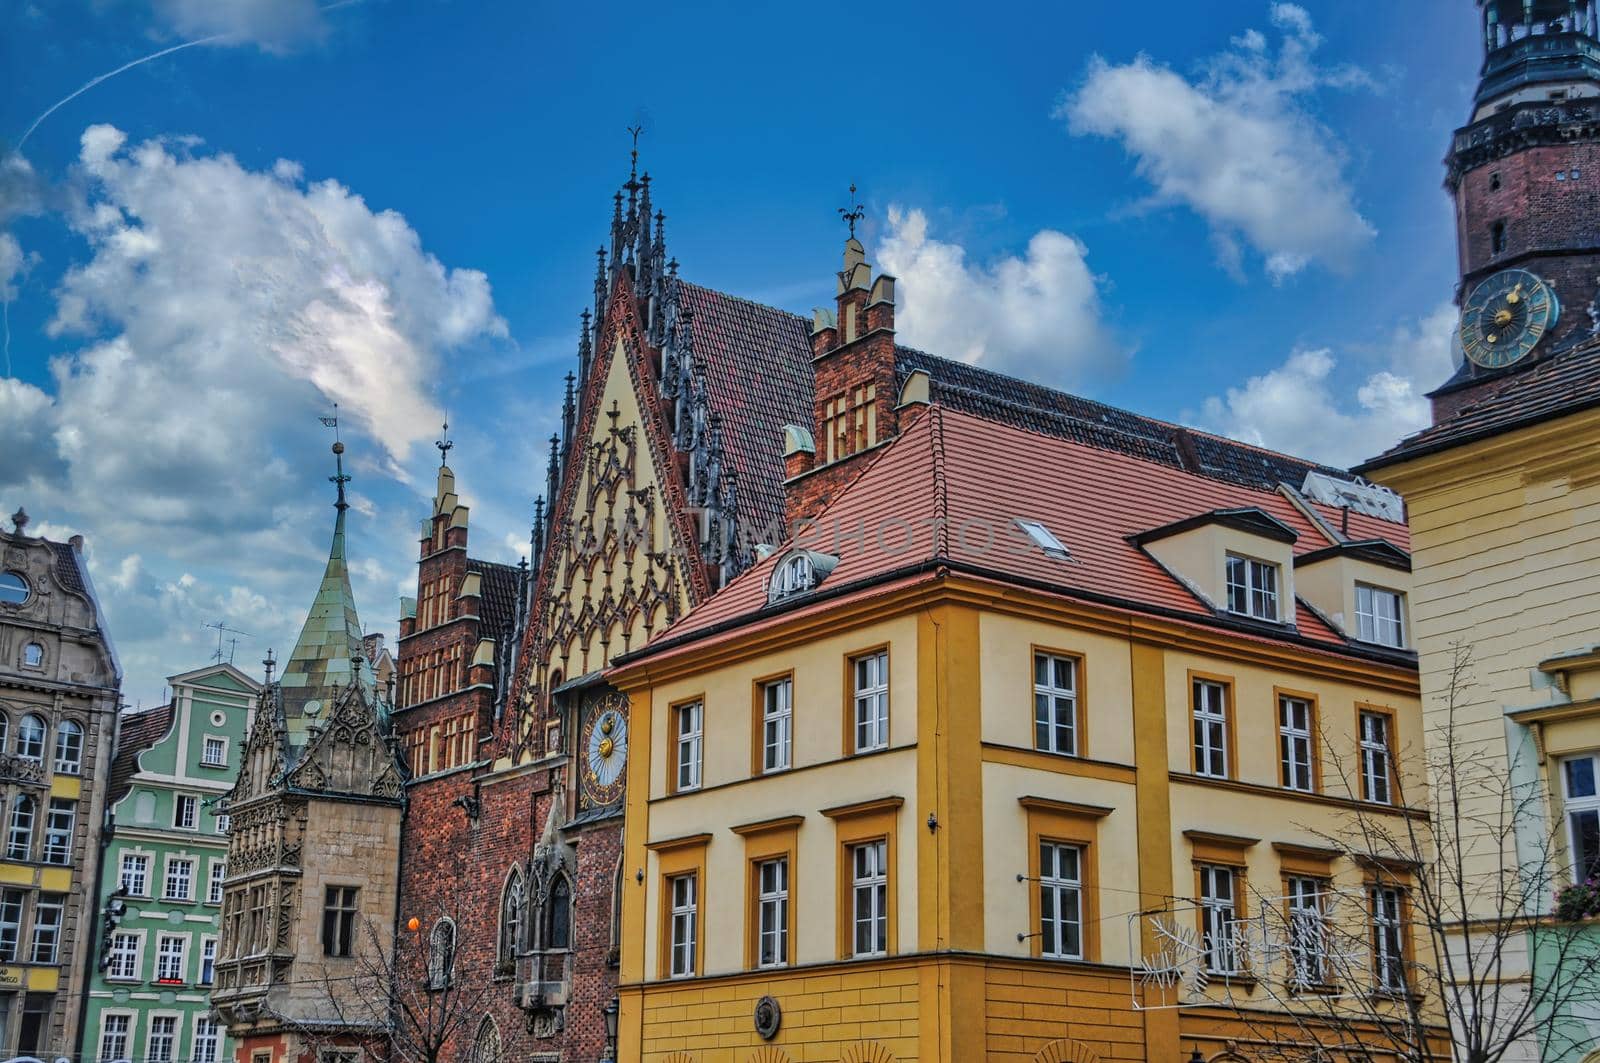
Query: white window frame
x=145, y=861
x=28, y=751
x=1376, y=625
x=1377, y=784
x=1048, y=699
x=777, y=725
x=69, y=765
x=172, y=959
x=1259, y=601
x=684, y=895
x=772, y=912
x=129, y=971
x=179, y=804
x=216, y=871
x=1219, y=915
x=16, y=900
x=689, y=751
x=210, y=1038
x=151, y=1055
x=58, y=837
x=1306, y=908
x=205, y=749
x=869, y=897
x=1210, y=728
x=795, y=574
x=20, y=830
x=1044, y=539
x=869, y=678
x=222, y=822
x=124, y=1050
x=1058, y=888
x=1575, y=806
x=1388, y=937
x=208, y=957
x=37, y=953
x=167, y=893
x=1297, y=759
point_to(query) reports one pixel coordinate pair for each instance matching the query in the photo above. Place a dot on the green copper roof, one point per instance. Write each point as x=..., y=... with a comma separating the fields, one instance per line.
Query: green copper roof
x=322, y=657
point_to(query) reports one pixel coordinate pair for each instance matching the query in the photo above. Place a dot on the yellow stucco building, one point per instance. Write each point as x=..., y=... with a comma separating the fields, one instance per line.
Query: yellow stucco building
x=1014, y=759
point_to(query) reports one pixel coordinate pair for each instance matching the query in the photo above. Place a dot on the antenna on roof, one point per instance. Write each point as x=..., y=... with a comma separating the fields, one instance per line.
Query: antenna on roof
x=219, y=626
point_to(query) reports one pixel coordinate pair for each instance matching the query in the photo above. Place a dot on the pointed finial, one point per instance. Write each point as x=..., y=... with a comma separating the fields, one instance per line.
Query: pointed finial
x=444, y=444
x=853, y=214
x=270, y=663
x=19, y=519
x=633, y=156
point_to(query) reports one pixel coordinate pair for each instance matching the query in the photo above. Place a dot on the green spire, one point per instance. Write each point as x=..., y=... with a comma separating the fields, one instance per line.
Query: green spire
x=328, y=653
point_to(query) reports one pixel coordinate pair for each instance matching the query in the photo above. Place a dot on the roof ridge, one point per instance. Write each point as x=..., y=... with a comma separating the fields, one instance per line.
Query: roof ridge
x=747, y=301
x=941, y=486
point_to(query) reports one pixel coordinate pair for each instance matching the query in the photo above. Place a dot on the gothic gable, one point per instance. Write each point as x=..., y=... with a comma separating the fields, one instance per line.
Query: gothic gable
x=262, y=762
x=349, y=755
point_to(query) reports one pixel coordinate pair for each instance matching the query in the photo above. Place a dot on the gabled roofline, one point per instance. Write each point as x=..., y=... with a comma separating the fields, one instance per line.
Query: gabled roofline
x=1249, y=519
x=226, y=667
x=1374, y=551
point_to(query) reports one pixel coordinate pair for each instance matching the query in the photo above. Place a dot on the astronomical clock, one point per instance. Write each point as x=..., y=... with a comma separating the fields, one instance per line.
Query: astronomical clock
x=1505, y=317
x=603, y=750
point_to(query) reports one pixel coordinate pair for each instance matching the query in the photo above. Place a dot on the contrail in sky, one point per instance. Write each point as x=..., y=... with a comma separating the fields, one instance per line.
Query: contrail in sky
x=92, y=82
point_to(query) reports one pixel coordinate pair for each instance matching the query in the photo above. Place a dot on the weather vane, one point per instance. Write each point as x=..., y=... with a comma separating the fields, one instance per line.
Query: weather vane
x=634, y=131
x=853, y=216
x=444, y=444
x=332, y=422
x=338, y=479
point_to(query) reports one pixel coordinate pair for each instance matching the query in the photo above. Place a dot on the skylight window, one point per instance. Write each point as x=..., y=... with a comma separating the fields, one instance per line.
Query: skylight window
x=1044, y=539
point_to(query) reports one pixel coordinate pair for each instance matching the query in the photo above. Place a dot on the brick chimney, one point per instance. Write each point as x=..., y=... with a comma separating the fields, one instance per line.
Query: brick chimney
x=853, y=359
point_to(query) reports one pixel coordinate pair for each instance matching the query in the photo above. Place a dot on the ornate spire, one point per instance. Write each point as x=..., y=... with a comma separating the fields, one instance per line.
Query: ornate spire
x=444, y=444
x=567, y=411
x=339, y=479
x=853, y=213
x=270, y=663
x=585, y=348
x=555, y=466
x=602, y=292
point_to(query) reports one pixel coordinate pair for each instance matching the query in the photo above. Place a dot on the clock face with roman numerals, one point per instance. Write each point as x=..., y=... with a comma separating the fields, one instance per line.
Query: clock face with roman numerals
x=1505, y=316
x=604, y=754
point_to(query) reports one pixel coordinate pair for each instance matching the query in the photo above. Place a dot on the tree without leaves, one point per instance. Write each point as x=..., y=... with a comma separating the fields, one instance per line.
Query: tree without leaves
x=1487, y=862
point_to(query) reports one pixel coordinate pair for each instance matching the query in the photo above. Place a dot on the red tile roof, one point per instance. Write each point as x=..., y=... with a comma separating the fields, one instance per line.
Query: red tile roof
x=951, y=488
x=1562, y=384
x=137, y=732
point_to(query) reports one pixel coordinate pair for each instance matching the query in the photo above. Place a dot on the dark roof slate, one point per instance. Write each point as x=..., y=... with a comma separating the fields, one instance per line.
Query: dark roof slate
x=1562, y=384
x=67, y=570
x=500, y=584
x=139, y=731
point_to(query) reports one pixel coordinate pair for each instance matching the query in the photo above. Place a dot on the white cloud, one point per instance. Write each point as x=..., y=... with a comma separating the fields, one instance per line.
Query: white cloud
x=1035, y=315
x=218, y=311
x=1301, y=407
x=1239, y=144
x=272, y=25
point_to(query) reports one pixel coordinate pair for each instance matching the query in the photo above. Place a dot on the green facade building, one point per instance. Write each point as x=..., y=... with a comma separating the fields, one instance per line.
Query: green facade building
x=161, y=876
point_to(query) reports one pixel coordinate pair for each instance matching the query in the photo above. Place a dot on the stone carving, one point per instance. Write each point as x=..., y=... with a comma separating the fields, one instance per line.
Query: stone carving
x=769, y=1017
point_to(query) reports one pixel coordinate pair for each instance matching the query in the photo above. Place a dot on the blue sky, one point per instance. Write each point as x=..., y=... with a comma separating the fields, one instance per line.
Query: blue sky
x=1226, y=214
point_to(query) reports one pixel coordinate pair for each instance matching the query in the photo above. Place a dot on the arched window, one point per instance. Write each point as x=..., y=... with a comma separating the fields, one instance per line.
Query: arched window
x=441, y=954
x=69, y=748
x=33, y=655
x=513, y=908
x=486, y=1045
x=5, y=729
x=19, y=833
x=558, y=915
x=793, y=575
x=30, y=738
x=14, y=588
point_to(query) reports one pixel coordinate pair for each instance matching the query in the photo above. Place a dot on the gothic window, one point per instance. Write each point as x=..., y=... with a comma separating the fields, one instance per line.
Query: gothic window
x=558, y=915
x=513, y=907
x=69, y=748
x=441, y=954
x=30, y=738
x=486, y=1045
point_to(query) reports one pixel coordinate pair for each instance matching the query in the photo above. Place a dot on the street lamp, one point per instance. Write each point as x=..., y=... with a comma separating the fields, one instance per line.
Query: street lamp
x=610, y=1013
x=1195, y=1056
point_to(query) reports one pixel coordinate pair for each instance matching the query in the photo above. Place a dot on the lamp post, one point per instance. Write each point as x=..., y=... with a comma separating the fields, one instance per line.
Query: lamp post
x=610, y=1014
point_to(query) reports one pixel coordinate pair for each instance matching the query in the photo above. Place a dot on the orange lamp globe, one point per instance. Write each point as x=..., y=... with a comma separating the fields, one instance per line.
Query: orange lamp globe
x=413, y=923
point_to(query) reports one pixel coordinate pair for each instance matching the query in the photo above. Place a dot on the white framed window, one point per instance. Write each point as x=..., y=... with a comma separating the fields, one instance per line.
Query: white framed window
x=1307, y=910
x=207, y=1040
x=1380, y=616
x=214, y=752
x=1388, y=939
x=685, y=915
x=870, y=678
x=1375, y=756
x=208, y=961
x=179, y=884
x=47, y=911
x=58, y=825
x=869, y=898
x=222, y=822
x=115, y=1026
x=33, y=655
x=794, y=575
x=777, y=724
x=772, y=912
x=1294, y=744
x=162, y=1044
x=1044, y=539
x=171, y=951
x=136, y=874
x=1061, y=900
x=690, y=744
x=1219, y=919
x=69, y=748
x=30, y=738
x=1581, y=805
x=122, y=958
x=1055, y=704
x=218, y=872
x=11, y=902
x=1210, y=728
x=1252, y=587
x=19, y=832
x=186, y=812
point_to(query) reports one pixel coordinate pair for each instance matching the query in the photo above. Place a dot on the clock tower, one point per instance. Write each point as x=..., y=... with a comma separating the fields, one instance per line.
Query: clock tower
x=1525, y=176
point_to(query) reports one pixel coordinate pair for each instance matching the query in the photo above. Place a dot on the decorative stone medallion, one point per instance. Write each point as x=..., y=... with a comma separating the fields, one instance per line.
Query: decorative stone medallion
x=768, y=1018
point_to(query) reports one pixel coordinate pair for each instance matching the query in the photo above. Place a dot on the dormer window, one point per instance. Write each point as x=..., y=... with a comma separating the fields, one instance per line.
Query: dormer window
x=1379, y=616
x=1252, y=588
x=794, y=575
